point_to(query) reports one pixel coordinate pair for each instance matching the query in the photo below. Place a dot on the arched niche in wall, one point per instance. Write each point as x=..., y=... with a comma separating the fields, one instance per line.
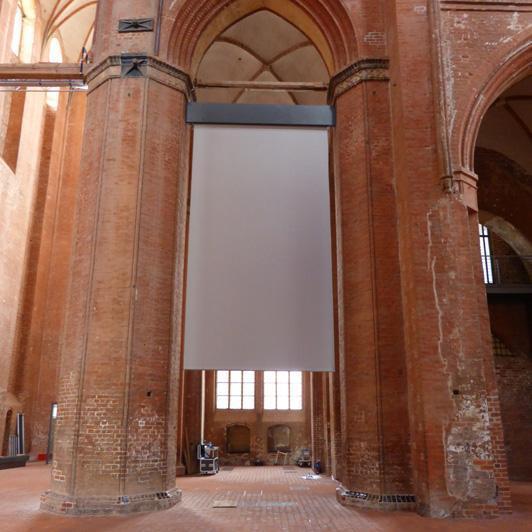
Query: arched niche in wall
x=238, y=439
x=279, y=438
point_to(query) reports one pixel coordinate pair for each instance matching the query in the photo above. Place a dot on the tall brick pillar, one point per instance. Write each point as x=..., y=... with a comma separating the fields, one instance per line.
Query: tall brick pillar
x=320, y=421
x=336, y=426
x=115, y=444
x=317, y=417
x=372, y=381
x=457, y=443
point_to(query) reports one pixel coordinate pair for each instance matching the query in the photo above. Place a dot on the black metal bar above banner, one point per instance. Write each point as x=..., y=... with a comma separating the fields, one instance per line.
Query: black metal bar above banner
x=261, y=115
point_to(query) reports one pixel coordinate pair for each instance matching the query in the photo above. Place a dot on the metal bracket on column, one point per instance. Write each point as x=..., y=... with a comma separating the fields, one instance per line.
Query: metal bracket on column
x=133, y=65
x=129, y=25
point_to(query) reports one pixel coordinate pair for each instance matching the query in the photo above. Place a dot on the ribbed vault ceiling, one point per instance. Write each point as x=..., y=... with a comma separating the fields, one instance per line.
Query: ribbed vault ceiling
x=72, y=21
x=262, y=47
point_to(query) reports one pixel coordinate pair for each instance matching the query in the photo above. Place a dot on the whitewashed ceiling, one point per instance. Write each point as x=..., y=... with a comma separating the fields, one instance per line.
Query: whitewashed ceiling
x=72, y=21
x=262, y=47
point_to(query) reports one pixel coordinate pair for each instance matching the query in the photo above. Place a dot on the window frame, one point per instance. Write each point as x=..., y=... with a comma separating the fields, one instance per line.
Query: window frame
x=53, y=93
x=486, y=254
x=17, y=29
x=232, y=397
x=295, y=400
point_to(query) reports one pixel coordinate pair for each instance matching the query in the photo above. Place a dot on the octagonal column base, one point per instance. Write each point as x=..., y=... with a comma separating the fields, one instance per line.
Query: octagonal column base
x=398, y=502
x=125, y=504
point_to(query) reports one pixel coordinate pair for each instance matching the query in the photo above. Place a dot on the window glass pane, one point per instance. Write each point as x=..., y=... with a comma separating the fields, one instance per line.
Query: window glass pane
x=248, y=403
x=296, y=403
x=236, y=388
x=55, y=56
x=222, y=376
x=222, y=388
x=269, y=402
x=296, y=377
x=222, y=402
x=282, y=376
x=269, y=388
x=485, y=253
x=282, y=402
x=236, y=376
x=235, y=402
x=282, y=389
x=269, y=376
x=230, y=390
x=17, y=32
x=296, y=389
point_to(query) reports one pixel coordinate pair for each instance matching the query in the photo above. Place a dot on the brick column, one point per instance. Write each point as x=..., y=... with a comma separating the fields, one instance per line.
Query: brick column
x=119, y=388
x=335, y=426
x=191, y=433
x=327, y=450
x=317, y=417
x=373, y=402
x=456, y=437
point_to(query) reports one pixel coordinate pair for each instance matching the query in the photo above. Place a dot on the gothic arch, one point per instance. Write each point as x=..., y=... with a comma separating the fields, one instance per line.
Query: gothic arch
x=325, y=22
x=514, y=67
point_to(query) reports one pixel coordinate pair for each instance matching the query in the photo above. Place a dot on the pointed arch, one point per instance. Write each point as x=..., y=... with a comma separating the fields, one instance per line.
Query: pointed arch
x=325, y=22
x=514, y=67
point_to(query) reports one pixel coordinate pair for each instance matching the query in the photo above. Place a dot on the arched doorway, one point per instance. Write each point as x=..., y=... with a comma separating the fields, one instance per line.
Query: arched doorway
x=504, y=166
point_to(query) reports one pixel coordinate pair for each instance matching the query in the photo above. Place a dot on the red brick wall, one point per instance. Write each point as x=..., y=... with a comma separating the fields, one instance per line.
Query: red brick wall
x=258, y=421
x=504, y=189
x=415, y=399
x=511, y=323
x=11, y=139
x=514, y=379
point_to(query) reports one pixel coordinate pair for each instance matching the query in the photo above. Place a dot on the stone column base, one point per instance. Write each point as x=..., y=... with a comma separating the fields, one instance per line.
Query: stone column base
x=376, y=502
x=126, y=504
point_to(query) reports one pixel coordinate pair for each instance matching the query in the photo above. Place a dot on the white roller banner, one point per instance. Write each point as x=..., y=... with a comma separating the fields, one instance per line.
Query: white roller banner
x=259, y=277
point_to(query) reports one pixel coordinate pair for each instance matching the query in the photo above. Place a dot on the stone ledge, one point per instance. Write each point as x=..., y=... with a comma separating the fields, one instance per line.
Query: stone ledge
x=146, y=66
x=359, y=72
x=377, y=502
x=126, y=504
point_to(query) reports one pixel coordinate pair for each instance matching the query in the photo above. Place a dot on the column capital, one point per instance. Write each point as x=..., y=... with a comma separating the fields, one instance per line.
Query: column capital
x=464, y=184
x=358, y=72
x=139, y=66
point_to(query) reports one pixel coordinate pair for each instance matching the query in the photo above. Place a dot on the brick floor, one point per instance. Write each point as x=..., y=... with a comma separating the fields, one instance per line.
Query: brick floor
x=267, y=498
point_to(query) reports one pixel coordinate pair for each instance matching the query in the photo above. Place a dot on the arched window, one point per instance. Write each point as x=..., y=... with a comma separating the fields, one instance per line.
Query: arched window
x=55, y=55
x=485, y=253
x=16, y=39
